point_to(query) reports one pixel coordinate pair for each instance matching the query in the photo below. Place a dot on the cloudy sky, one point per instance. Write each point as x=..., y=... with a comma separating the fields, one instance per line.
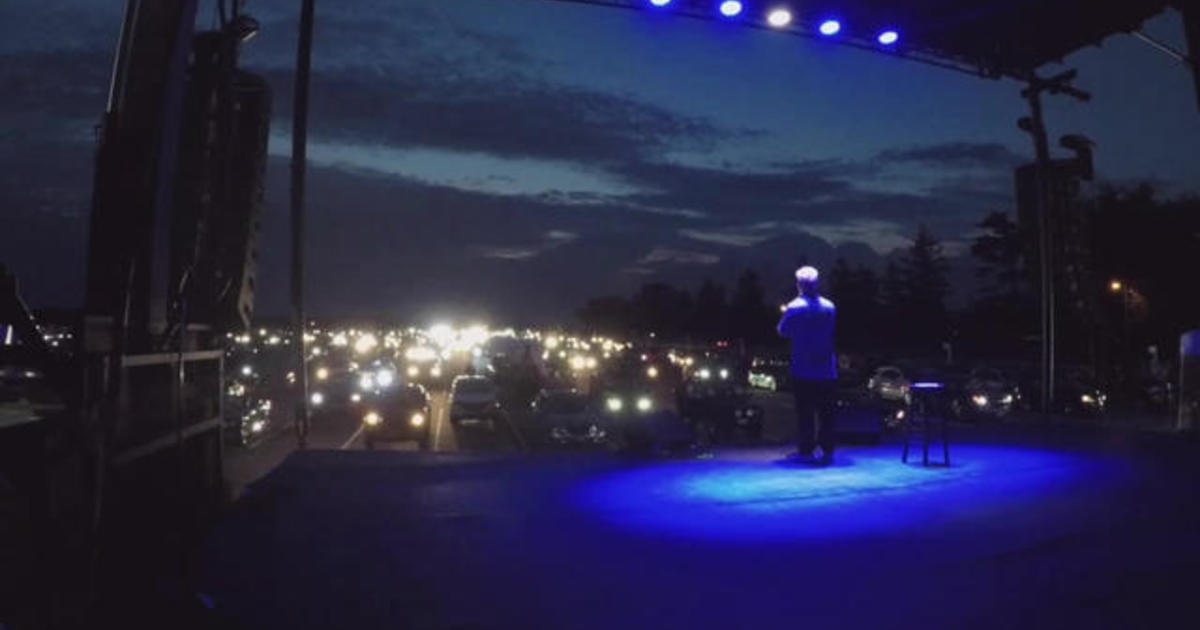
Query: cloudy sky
x=509, y=158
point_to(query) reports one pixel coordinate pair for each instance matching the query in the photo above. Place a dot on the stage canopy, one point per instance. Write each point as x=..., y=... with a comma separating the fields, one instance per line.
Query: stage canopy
x=993, y=38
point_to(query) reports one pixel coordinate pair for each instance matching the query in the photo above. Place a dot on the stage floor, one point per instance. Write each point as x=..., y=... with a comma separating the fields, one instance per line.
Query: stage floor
x=1070, y=531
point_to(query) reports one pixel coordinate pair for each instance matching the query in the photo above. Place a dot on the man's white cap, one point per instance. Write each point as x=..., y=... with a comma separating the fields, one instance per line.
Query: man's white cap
x=807, y=274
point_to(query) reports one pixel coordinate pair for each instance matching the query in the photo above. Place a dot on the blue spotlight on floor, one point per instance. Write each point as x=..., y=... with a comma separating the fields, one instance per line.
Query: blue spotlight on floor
x=660, y=3
x=830, y=28
x=888, y=37
x=731, y=8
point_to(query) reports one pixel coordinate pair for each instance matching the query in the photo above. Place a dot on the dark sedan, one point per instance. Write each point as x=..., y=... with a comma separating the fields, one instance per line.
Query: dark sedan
x=396, y=414
x=568, y=417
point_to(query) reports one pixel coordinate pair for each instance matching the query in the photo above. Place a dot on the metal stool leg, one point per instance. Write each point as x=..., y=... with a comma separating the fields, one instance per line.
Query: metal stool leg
x=907, y=438
x=945, y=443
x=924, y=436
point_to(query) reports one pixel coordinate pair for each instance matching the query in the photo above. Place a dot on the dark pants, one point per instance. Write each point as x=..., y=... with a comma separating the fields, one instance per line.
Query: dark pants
x=815, y=401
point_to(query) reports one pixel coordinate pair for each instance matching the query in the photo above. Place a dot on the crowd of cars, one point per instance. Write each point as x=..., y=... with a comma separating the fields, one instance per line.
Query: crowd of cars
x=979, y=393
x=565, y=391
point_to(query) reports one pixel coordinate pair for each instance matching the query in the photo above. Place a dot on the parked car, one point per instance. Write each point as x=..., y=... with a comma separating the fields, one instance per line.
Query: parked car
x=771, y=374
x=719, y=410
x=1076, y=393
x=565, y=417
x=640, y=411
x=398, y=413
x=888, y=383
x=986, y=394
x=474, y=400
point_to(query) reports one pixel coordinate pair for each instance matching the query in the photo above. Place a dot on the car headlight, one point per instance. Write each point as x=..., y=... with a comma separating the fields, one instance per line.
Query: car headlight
x=317, y=399
x=366, y=381
x=1007, y=399
x=372, y=419
x=644, y=403
x=724, y=373
x=980, y=400
x=417, y=419
x=1087, y=399
x=704, y=374
x=322, y=373
x=435, y=371
x=614, y=404
x=385, y=378
x=413, y=371
x=652, y=372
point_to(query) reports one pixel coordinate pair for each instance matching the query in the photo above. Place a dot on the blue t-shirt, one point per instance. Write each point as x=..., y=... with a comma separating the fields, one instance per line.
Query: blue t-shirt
x=809, y=324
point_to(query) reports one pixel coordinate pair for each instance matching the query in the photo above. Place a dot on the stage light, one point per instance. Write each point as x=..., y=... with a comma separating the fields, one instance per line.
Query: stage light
x=888, y=37
x=829, y=28
x=779, y=18
x=660, y=3
x=731, y=8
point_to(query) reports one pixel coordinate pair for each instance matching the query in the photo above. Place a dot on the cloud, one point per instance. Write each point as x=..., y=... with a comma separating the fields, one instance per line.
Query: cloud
x=735, y=237
x=561, y=236
x=478, y=172
x=956, y=154
x=660, y=255
x=508, y=253
x=505, y=116
x=882, y=236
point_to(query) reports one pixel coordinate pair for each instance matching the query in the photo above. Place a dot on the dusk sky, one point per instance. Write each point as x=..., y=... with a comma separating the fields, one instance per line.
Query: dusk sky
x=508, y=159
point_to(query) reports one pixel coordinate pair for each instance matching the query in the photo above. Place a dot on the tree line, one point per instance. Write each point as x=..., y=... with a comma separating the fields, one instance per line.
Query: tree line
x=1151, y=246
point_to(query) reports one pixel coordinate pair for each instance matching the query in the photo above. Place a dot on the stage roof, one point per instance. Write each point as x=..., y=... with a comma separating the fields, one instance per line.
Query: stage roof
x=990, y=37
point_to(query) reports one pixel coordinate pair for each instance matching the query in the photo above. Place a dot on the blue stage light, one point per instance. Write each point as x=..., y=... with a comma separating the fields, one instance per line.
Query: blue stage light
x=829, y=28
x=888, y=37
x=660, y=3
x=731, y=8
x=759, y=497
x=779, y=18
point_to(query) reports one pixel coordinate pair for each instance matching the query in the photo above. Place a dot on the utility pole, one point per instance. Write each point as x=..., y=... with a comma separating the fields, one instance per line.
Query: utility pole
x=299, y=165
x=1035, y=125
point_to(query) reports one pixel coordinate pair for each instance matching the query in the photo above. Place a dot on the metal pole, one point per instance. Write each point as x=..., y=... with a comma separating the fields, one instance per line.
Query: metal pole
x=299, y=164
x=1162, y=48
x=1045, y=243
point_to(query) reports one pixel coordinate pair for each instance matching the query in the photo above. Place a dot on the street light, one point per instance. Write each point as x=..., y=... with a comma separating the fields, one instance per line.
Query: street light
x=888, y=37
x=1115, y=286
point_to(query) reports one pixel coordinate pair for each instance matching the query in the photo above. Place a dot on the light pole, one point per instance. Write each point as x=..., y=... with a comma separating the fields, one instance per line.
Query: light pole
x=299, y=165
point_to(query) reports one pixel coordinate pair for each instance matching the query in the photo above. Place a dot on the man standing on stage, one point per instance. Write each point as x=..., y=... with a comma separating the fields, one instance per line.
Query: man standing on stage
x=808, y=322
